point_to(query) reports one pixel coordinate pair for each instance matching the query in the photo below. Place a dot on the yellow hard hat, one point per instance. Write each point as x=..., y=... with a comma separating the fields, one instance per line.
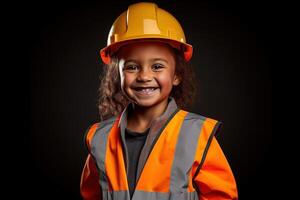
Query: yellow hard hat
x=145, y=21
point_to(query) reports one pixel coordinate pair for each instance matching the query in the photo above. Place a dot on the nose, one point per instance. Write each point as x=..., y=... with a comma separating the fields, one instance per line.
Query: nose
x=144, y=75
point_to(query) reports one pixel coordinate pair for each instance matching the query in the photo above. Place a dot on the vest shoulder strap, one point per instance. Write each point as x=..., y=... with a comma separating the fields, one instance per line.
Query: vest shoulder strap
x=89, y=134
x=216, y=126
x=95, y=129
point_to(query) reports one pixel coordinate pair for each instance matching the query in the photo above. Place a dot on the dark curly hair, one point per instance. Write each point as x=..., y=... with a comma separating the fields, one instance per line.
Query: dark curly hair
x=112, y=101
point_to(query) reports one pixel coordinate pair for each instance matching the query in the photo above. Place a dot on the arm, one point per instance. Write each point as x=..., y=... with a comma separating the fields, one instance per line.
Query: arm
x=89, y=184
x=215, y=180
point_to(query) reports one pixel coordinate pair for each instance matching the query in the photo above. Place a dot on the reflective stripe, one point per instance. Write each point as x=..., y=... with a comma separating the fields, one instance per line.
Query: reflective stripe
x=114, y=160
x=216, y=126
x=142, y=195
x=157, y=170
x=202, y=144
x=185, y=151
x=98, y=149
x=89, y=135
x=214, y=131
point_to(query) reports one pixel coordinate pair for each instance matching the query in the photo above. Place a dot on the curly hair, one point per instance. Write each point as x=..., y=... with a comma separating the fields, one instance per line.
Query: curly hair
x=112, y=101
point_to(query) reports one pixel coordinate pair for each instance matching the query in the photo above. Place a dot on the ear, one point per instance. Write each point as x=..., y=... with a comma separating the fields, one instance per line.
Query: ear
x=176, y=80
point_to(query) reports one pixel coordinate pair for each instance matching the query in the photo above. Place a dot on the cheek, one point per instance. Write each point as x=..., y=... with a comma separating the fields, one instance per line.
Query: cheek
x=127, y=79
x=165, y=81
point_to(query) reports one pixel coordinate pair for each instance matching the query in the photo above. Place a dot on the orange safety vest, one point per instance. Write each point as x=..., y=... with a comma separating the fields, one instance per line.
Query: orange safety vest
x=182, y=162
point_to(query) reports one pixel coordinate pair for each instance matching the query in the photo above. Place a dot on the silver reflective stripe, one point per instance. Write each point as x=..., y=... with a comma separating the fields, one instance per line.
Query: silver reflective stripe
x=141, y=195
x=114, y=195
x=185, y=152
x=122, y=195
x=98, y=149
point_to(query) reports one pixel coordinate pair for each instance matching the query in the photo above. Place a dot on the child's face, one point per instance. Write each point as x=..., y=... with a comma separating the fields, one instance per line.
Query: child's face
x=147, y=72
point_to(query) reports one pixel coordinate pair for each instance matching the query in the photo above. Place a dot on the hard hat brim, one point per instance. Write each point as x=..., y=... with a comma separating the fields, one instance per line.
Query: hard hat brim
x=185, y=48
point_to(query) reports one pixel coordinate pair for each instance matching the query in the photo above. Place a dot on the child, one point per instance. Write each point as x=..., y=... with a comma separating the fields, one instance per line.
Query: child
x=146, y=147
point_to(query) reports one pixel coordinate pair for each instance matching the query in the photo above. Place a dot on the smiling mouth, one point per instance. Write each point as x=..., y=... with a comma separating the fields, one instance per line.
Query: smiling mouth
x=145, y=90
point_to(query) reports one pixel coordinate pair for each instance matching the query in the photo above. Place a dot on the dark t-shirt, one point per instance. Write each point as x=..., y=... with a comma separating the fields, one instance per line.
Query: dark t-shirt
x=134, y=142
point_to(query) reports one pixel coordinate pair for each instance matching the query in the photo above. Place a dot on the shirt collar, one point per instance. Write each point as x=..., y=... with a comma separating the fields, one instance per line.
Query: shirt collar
x=156, y=123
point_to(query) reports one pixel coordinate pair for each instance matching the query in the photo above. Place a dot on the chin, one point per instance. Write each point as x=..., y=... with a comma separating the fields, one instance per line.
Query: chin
x=145, y=103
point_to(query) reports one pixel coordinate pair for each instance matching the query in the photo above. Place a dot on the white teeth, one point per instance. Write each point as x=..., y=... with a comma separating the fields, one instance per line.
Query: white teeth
x=147, y=89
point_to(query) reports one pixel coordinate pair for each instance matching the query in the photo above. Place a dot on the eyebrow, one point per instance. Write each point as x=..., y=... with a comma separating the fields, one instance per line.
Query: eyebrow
x=160, y=59
x=152, y=60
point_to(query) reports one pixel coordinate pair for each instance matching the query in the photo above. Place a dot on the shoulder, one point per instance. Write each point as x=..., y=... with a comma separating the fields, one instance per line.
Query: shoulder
x=196, y=116
x=95, y=129
x=203, y=121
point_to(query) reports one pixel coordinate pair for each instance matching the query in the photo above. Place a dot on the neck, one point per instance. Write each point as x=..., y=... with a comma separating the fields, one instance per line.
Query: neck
x=140, y=118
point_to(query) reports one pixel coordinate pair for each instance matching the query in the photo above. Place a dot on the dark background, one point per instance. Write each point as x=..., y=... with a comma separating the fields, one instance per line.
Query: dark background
x=59, y=48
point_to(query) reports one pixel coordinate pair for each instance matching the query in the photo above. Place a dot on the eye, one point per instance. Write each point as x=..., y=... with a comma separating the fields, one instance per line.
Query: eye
x=157, y=67
x=130, y=67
